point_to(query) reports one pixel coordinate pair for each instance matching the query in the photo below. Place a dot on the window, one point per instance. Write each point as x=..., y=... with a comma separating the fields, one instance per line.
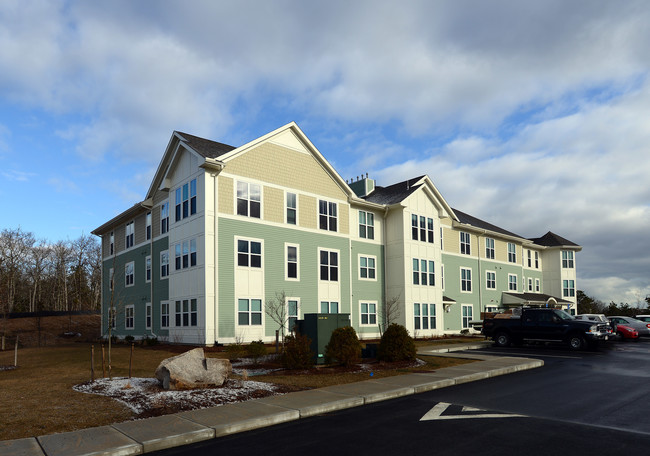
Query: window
x=465, y=243
x=367, y=268
x=129, y=319
x=329, y=307
x=568, y=288
x=537, y=289
x=442, y=276
x=249, y=199
x=185, y=254
x=148, y=315
x=129, y=273
x=192, y=252
x=148, y=226
x=329, y=265
x=249, y=312
x=164, y=314
x=186, y=313
x=327, y=215
x=432, y=273
x=366, y=225
x=512, y=282
x=430, y=230
x=368, y=313
x=466, y=280
x=164, y=264
x=423, y=271
x=567, y=259
x=416, y=271
x=292, y=262
x=512, y=253
x=432, y=316
x=147, y=268
x=536, y=260
x=164, y=217
x=112, y=314
x=490, y=280
x=111, y=279
x=292, y=208
x=442, y=247
x=112, y=243
x=129, y=235
x=416, y=315
x=249, y=253
x=414, y=227
x=424, y=316
x=489, y=248
x=467, y=316
x=186, y=200
x=530, y=259
x=423, y=229
x=293, y=309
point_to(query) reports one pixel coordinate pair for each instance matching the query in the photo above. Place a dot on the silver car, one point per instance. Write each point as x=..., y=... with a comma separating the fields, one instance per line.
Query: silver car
x=642, y=327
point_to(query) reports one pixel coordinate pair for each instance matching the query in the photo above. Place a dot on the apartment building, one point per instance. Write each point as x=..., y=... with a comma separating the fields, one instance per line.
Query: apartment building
x=223, y=230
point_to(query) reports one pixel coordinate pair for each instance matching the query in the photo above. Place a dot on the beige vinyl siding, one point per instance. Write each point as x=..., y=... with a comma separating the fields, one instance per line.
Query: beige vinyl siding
x=451, y=239
x=501, y=250
x=119, y=238
x=226, y=195
x=140, y=228
x=307, y=211
x=155, y=221
x=344, y=218
x=159, y=196
x=273, y=202
x=286, y=168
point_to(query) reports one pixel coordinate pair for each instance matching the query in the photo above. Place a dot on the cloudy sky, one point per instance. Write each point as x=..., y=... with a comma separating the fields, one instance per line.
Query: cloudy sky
x=534, y=116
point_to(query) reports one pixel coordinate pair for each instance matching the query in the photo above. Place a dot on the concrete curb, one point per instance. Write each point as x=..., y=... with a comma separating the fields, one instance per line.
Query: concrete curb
x=153, y=434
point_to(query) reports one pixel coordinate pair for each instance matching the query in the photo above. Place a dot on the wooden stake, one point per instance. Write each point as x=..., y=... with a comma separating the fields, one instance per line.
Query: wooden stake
x=92, y=363
x=103, y=363
x=16, y=353
x=131, y=360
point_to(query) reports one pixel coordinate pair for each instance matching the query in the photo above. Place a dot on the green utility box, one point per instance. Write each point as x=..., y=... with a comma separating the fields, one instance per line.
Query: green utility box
x=319, y=328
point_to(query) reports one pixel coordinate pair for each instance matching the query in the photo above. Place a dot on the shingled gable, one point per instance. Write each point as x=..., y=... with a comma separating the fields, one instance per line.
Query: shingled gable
x=551, y=239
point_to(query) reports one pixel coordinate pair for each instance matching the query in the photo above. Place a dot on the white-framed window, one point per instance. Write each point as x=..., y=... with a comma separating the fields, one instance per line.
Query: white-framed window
x=489, y=248
x=417, y=316
x=112, y=243
x=249, y=199
x=111, y=279
x=129, y=317
x=568, y=288
x=366, y=225
x=512, y=282
x=185, y=254
x=530, y=259
x=442, y=276
x=567, y=259
x=442, y=245
x=367, y=267
x=430, y=229
x=465, y=243
x=537, y=287
x=164, y=217
x=129, y=274
x=424, y=316
x=185, y=200
x=186, y=313
x=466, y=280
x=148, y=226
x=432, y=273
x=293, y=312
x=291, y=263
x=423, y=272
x=416, y=271
x=164, y=314
x=432, y=316
x=422, y=228
x=147, y=269
x=468, y=311
x=292, y=208
x=530, y=284
x=329, y=265
x=129, y=235
x=112, y=318
x=164, y=264
x=512, y=252
x=368, y=313
x=414, y=227
x=249, y=312
x=249, y=253
x=329, y=307
x=327, y=215
x=148, y=315
x=490, y=280
x=536, y=260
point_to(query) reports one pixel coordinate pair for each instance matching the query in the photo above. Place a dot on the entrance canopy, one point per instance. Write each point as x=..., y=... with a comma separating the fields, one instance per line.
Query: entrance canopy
x=532, y=300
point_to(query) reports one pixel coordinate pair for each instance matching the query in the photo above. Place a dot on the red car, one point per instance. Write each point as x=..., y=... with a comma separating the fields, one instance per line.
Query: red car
x=626, y=332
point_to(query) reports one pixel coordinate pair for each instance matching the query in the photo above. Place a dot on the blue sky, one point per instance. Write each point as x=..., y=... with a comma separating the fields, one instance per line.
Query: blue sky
x=534, y=116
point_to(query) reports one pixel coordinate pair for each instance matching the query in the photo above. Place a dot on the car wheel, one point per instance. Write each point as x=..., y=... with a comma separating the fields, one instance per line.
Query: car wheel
x=620, y=336
x=502, y=339
x=576, y=342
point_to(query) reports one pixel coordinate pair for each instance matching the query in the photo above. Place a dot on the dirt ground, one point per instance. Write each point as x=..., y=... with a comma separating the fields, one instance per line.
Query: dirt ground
x=49, y=331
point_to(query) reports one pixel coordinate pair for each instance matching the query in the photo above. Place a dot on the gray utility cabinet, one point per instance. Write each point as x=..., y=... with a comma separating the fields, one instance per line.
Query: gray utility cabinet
x=319, y=328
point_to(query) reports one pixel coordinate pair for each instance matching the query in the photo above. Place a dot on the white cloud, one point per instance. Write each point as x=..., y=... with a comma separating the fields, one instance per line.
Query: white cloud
x=18, y=176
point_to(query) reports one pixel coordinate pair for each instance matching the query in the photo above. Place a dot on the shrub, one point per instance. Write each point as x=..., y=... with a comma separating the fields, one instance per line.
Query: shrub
x=129, y=339
x=150, y=341
x=234, y=351
x=344, y=346
x=255, y=350
x=396, y=345
x=297, y=354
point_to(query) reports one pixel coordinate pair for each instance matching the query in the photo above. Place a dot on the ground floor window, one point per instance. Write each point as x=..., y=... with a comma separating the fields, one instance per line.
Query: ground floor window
x=467, y=316
x=249, y=312
x=329, y=307
x=148, y=315
x=129, y=317
x=164, y=314
x=424, y=316
x=186, y=313
x=293, y=306
x=368, y=313
x=568, y=288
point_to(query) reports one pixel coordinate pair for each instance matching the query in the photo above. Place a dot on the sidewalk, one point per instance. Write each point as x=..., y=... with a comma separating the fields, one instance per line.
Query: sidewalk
x=153, y=434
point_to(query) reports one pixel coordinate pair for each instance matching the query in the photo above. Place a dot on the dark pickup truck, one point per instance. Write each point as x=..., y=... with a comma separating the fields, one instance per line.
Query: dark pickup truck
x=544, y=325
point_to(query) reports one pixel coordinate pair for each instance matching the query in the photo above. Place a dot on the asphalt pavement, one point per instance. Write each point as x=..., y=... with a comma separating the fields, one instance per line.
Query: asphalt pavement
x=153, y=434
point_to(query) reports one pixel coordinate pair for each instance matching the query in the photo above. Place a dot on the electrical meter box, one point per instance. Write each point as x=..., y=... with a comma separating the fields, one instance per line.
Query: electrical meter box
x=319, y=328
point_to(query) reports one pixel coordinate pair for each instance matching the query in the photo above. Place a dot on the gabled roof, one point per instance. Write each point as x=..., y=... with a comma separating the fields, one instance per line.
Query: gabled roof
x=553, y=240
x=205, y=147
x=395, y=193
x=478, y=223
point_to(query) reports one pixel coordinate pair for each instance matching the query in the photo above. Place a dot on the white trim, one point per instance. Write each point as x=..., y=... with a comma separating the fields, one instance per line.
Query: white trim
x=471, y=285
x=286, y=207
x=367, y=279
x=486, y=280
x=286, y=262
x=130, y=307
x=376, y=313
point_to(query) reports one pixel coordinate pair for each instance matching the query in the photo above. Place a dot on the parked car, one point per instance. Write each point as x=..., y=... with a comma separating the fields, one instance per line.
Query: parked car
x=642, y=327
x=592, y=317
x=645, y=318
x=625, y=332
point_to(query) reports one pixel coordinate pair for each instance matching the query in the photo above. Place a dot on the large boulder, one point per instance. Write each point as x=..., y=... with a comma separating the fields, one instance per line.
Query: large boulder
x=192, y=370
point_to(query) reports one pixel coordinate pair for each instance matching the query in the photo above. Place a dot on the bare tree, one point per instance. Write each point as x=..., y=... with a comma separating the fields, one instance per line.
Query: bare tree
x=38, y=264
x=276, y=309
x=61, y=257
x=15, y=246
x=389, y=312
